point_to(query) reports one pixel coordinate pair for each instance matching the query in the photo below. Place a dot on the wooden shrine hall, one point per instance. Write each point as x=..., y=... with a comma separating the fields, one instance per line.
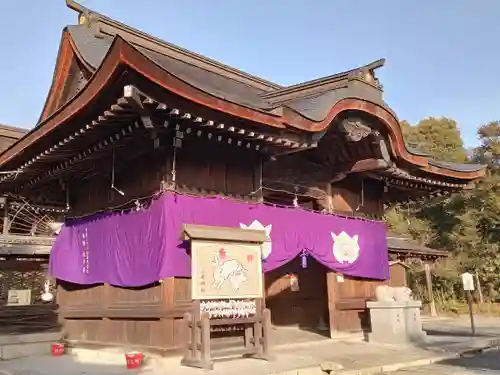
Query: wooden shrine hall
x=131, y=120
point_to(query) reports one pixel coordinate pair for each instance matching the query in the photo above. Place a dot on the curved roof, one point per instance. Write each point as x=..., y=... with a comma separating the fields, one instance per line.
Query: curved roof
x=105, y=46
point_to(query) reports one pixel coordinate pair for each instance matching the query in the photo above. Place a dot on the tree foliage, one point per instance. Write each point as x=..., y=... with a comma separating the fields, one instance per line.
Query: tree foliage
x=438, y=137
x=467, y=224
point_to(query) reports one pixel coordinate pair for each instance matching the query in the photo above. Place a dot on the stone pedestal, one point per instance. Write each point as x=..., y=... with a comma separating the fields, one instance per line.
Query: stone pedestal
x=395, y=322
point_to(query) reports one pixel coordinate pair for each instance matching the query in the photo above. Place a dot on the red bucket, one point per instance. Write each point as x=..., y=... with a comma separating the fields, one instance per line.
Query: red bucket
x=57, y=350
x=134, y=360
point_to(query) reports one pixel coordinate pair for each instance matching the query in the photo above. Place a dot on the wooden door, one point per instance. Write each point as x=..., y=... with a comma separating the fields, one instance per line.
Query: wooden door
x=301, y=305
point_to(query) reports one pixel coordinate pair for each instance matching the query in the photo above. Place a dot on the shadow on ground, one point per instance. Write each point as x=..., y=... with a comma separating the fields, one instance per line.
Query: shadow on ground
x=485, y=361
x=458, y=333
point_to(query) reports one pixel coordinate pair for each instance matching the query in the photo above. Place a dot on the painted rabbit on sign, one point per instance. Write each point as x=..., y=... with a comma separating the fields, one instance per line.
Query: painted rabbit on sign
x=231, y=270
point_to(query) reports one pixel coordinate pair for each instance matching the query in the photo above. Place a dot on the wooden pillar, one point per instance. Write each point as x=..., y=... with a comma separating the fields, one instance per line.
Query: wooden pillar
x=107, y=291
x=430, y=294
x=331, y=284
x=331, y=277
x=6, y=223
x=167, y=323
x=329, y=198
x=258, y=176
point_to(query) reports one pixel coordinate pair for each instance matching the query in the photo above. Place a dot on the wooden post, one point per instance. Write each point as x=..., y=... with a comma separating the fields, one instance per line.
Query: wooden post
x=468, y=293
x=331, y=277
x=206, y=356
x=6, y=223
x=479, y=291
x=331, y=286
x=257, y=330
x=468, y=285
x=105, y=325
x=258, y=173
x=195, y=337
x=430, y=294
x=187, y=321
x=249, y=340
x=329, y=198
x=266, y=333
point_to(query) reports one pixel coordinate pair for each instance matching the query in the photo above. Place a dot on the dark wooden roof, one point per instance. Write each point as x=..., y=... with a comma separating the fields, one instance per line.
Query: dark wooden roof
x=407, y=248
x=9, y=135
x=12, y=131
x=291, y=115
x=313, y=100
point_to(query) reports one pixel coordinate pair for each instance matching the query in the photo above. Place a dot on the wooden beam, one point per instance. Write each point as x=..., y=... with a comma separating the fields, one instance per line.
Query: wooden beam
x=131, y=95
x=368, y=165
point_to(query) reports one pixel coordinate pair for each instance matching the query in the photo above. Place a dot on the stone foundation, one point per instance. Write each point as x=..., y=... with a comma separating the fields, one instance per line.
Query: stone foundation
x=395, y=322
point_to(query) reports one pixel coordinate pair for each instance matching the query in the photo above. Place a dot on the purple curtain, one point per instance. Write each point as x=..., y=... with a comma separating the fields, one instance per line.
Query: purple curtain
x=138, y=248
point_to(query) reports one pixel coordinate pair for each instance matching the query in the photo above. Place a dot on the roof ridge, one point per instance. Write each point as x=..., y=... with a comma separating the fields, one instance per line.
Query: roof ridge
x=94, y=18
x=317, y=82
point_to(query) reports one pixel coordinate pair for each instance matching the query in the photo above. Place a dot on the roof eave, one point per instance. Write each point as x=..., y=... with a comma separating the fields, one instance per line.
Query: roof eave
x=125, y=54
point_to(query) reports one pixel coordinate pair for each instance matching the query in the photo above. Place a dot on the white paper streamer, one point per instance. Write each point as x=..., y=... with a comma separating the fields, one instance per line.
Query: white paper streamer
x=229, y=308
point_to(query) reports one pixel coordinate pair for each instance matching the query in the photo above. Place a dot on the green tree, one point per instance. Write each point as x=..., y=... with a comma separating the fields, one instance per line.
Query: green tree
x=440, y=138
x=447, y=222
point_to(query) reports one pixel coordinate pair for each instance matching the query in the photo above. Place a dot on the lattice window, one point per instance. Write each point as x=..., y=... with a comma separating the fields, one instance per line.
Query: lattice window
x=18, y=280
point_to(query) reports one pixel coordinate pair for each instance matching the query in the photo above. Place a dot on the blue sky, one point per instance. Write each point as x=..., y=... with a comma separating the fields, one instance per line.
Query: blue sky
x=442, y=56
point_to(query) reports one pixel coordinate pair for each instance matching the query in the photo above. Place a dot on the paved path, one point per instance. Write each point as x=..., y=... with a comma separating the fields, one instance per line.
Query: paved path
x=481, y=364
x=355, y=355
x=455, y=334
x=446, y=336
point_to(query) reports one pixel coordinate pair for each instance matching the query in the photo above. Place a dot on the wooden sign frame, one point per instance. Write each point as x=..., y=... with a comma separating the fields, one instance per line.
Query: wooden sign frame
x=244, y=309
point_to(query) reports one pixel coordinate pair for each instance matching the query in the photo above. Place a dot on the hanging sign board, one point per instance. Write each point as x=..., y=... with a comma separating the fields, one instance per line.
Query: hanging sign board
x=19, y=297
x=467, y=281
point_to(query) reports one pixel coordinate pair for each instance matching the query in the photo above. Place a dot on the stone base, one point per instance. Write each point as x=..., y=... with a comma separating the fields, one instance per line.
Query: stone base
x=396, y=322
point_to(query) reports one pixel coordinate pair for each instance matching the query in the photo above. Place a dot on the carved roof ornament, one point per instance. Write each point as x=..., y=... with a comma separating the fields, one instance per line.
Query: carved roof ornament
x=83, y=19
x=86, y=17
x=355, y=130
x=367, y=75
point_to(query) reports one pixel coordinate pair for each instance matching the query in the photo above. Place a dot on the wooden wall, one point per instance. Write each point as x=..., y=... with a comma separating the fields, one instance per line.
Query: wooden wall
x=355, y=194
x=146, y=317
x=150, y=316
x=222, y=169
